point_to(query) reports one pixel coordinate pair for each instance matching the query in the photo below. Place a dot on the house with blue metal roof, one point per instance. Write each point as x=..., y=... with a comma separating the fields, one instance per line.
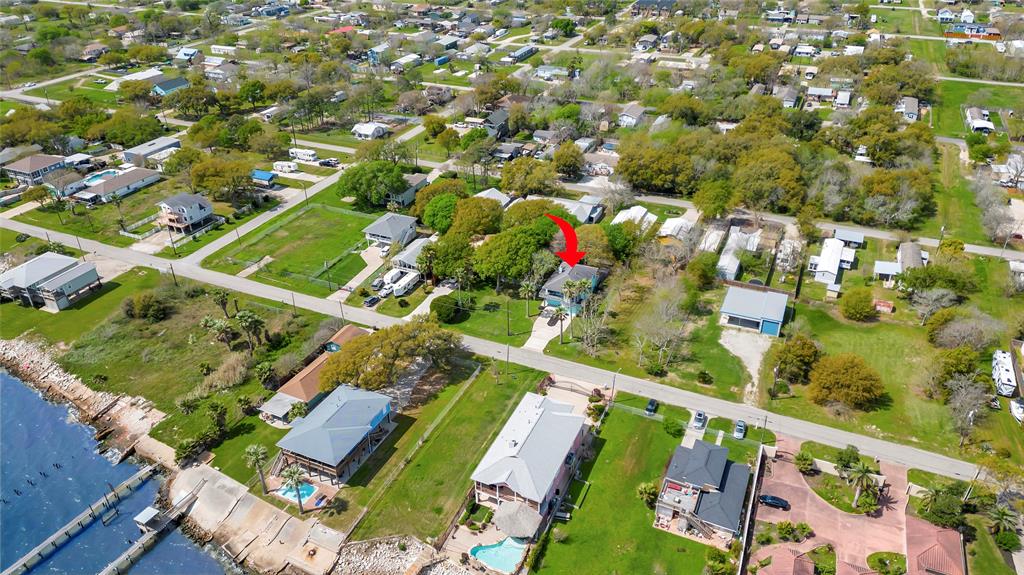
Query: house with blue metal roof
x=760, y=310
x=333, y=440
x=263, y=178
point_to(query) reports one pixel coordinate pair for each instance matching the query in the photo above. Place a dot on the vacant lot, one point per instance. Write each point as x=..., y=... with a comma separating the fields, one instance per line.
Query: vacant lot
x=313, y=250
x=955, y=203
x=612, y=531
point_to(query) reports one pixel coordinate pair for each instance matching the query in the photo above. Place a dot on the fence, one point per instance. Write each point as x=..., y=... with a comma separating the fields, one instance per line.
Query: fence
x=216, y=223
x=127, y=231
x=748, y=531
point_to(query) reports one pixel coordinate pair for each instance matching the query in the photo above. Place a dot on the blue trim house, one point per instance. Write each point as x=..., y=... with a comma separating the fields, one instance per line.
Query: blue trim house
x=763, y=311
x=551, y=291
x=168, y=87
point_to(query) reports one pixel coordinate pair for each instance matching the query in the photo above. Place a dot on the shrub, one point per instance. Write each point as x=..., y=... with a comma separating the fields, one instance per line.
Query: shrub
x=559, y=536
x=705, y=378
x=403, y=303
x=946, y=510
x=363, y=292
x=594, y=410
x=537, y=553
x=1007, y=541
x=655, y=367
x=848, y=457
x=704, y=270
x=445, y=307
x=804, y=530
x=804, y=462
x=764, y=539
x=858, y=304
x=231, y=373
x=464, y=517
x=845, y=378
x=648, y=493
x=786, y=530
x=186, y=404
x=673, y=427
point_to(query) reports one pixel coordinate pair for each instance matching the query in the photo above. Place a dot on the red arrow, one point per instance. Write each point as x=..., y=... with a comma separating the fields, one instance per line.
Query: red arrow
x=570, y=255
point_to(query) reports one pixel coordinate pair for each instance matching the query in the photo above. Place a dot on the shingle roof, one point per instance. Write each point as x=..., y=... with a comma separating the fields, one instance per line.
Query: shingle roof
x=332, y=430
x=171, y=84
x=33, y=163
x=305, y=385
x=702, y=464
x=390, y=225
x=121, y=180
x=531, y=448
x=724, y=507
x=184, y=200
x=565, y=273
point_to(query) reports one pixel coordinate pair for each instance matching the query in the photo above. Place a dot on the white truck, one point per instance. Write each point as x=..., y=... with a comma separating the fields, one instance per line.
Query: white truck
x=407, y=284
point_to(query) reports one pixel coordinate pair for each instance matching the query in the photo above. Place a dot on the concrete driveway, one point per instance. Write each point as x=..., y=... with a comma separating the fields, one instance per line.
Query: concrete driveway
x=853, y=536
x=544, y=330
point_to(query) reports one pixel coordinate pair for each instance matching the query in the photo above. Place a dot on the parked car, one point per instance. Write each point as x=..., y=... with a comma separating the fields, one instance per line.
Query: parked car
x=652, y=406
x=386, y=291
x=329, y=162
x=740, y=431
x=384, y=251
x=371, y=301
x=377, y=283
x=773, y=501
x=700, y=420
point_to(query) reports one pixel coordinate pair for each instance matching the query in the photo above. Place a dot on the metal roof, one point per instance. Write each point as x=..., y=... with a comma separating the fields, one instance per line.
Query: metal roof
x=411, y=253
x=37, y=270
x=332, y=430
x=765, y=305
x=848, y=236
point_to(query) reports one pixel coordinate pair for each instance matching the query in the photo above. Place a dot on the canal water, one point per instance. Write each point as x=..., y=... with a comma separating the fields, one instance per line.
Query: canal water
x=50, y=471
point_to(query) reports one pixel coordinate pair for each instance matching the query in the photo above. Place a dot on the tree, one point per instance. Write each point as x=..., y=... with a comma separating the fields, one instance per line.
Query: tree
x=967, y=401
x=135, y=91
x=449, y=140
x=845, y=378
x=298, y=410
x=445, y=307
x=560, y=315
x=252, y=91
x=528, y=291
x=804, y=462
x=648, y=493
x=252, y=325
x=703, y=269
x=294, y=478
x=796, y=357
x=371, y=183
x=506, y=255
x=220, y=329
x=1002, y=518
x=434, y=125
x=476, y=216
x=453, y=254
x=527, y=176
x=593, y=241
x=858, y=304
x=714, y=198
x=860, y=477
x=220, y=297
x=256, y=458
x=769, y=179
x=36, y=194
x=440, y=211
x=568, y=159
x=438, y=187
x=928, y=302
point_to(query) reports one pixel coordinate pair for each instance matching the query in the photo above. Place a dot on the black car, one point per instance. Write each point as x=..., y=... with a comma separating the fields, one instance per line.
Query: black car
x=652, y=406
x=371, y=301
x=773, y=501
x=329, y=162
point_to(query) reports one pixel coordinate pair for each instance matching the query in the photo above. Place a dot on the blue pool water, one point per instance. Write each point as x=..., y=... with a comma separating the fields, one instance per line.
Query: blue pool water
x=35, y=435
x=305, y=490
x=503, y=556
x=97, y=177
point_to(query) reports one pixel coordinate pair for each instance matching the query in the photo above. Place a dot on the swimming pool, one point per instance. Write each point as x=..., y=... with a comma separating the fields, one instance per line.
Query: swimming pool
x=305, y=490
x=503, y=556
x=98, y=177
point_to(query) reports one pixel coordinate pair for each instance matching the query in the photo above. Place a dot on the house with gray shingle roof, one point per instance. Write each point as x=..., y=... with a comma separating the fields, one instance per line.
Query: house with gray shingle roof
x=334, y=439
x=533, y=458
x=391, y=229
x=703, y=489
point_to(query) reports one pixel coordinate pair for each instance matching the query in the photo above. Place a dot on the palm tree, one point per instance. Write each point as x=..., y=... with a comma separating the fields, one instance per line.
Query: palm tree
x=560, y=314
x=928, y=498
x=1003, y=519
x=220, y=297
x=572, y=290
x=220, y=329
x=527, y=290
x=251, y=324
x=293, y=479
x=256, y=458
x=860, y=476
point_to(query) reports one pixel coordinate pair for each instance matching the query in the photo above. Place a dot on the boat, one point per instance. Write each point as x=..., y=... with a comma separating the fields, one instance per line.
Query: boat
x=1017, y=409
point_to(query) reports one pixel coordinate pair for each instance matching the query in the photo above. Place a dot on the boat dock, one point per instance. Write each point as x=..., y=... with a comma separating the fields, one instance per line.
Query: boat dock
x=76, y=525
x=153, y=523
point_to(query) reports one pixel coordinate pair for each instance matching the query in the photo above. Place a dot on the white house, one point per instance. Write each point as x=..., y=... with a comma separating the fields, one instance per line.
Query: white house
x=407, y=258
x=632, y=115
x=494, y=194
x=51, y=281
x=391, y=230
x=946, y=16
x=369, y=130
x=119, y=186
x=185, y=212
x=967, y=17
x=835, y=256
x=139, y=154
x=219, y=50
x=677, y=227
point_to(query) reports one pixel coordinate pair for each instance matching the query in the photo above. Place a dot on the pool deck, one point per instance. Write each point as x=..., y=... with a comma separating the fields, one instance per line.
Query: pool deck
x=274, y=483
x=463, y=539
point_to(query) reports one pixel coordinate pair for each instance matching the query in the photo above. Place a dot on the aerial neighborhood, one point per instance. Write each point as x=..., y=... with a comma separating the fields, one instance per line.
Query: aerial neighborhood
x=501, y=287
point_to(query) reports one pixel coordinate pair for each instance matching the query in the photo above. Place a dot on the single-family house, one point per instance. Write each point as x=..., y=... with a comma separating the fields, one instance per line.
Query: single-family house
x=449, y=42
x=334, y=439
x=553, y=290
x=304, y=386
x=31, y=170
x=946, y=16
x=631, y=115
x=506, y=151
x=92, y=51
x=910, y=108
x=777, y=16
x=834, y=257
x=407, y=62
x=967, y=17
x=909, y=255
x=853, y=50
x=51, y=281
x=139, y=154
x=704, y=490
x=532, y=459
x=407, y=259
x=185, y=213
x=653, y=8
x=391, y=229
x=494, y=194
x=820, y=94
x=219, y=50
x=842, y=100
x=646, y=42
x=805, y=51
x=933, y=550
x=588, y=209
x=788, y=95
x=850, y=238
x=551, y=73
x=978, y=120
x=223, y=72
x=369, y=130
x=496, y=123
x=119, y=186
x=738, y=242
x=169, y=86
x=414, y=183
x=638, y=215
x=522, y=54
x=187, y=56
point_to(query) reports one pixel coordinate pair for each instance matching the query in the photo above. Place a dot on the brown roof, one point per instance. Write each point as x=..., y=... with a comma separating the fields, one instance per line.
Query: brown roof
x=844, y=568
x=932, y=550
x=33, y=163
x=306, y=384
x=121, y=180
x=787, y=561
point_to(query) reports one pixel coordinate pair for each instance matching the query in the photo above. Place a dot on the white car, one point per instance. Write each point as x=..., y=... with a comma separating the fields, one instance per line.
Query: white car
x=29, y=85
x=386, y=291
x=1000, y=47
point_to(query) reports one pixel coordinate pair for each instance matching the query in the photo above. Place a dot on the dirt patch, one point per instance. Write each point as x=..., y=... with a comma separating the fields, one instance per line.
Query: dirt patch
x=750, y=348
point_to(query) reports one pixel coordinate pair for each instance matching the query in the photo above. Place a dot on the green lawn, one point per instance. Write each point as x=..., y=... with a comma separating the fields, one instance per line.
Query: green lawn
x=18, y=252
x=740, y=450
x=429, y=491
x=68, y=325
x=229, y=457
x=905, y=22
x=612, y=531
x=947, y=117
x=824, y=558
x=956, y=209
x=300, y=244
x=926, y=479
x=82, y=86
x=929, y=51
x=392, y=306
x=982, y=554
x=488, y=318
x=887, y=560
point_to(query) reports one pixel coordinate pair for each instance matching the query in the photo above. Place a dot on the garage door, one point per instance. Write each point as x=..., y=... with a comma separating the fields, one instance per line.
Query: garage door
x=743, y=322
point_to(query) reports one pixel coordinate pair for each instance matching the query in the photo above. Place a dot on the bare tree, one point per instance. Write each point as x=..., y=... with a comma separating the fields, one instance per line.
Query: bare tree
x=619, y=195
x=977, y=331
x=967, y=399
x=929, y=301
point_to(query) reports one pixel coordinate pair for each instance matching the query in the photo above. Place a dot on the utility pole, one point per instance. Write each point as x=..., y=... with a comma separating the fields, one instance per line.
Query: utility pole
x=341, y=308
x=294, y=309
x=174, y=276
x=170, y=238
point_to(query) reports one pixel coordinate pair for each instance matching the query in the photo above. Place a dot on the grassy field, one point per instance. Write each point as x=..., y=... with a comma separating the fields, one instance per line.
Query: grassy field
x=929, y=51
x=905, y=22
x=982, y=554
x=947, y=119
x=300, y=244
x=488, y=317
x=956, y=209
x=69, y=325
x=82, y=86
x=740, y=450
x=612, y=531
x=427, y=494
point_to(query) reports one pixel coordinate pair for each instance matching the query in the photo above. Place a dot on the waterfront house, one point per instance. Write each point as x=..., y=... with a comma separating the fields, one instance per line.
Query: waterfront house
x=703, y=490
x=50, y=281
x=333, y=440
x=533, y=458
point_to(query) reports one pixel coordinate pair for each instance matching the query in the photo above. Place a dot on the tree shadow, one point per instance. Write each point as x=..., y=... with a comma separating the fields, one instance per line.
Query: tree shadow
x=384, y=452
x=241, y=428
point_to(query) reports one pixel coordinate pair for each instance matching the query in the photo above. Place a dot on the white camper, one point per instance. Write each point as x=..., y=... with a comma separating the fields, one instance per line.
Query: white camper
x=302, y=154
x=407, y=284
x=285, y=167
x=392, y=277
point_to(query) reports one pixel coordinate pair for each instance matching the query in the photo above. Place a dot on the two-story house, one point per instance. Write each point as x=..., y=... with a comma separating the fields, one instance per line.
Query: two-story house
x=553, y=290
x=184, y=213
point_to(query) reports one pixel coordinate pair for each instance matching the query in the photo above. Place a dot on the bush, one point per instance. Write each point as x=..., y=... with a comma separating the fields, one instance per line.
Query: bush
x=804, y=530
x=1007, y=541
x=363, y=292
x=445, y=307
x=764, y=539
x=655, y=367
x=594, y=410
x=233, y=372
x=704, y=270
x=673, y=427
x=804, y=462
x=537, y=553
x=186, y=404
x=403, y=303
x=146, y=305
x=858, y=304
x=705, y=378
x=847, y=457
x=648, y=493
x=786, y=530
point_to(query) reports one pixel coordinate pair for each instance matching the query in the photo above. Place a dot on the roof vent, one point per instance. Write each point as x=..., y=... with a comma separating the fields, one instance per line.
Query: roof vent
x=512, y=443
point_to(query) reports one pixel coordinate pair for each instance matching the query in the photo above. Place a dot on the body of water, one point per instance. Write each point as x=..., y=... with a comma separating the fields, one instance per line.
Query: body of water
x=50, y=472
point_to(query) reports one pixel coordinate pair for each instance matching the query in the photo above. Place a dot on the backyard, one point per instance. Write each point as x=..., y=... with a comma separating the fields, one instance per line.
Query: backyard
x=313, y=250
x=631, y=449
x=947, y=117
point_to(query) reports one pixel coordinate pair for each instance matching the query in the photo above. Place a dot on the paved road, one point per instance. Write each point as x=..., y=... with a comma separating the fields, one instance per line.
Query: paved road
x=980, y=81
x=897, y=453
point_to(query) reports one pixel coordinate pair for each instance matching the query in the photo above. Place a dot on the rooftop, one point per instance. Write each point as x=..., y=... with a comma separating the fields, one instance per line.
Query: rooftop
x=743, y=302
x=336, y=426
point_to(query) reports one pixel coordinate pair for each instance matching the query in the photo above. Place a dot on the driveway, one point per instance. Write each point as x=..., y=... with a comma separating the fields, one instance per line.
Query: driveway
x=544, y=330
x=853, y=536
x=750, y=347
